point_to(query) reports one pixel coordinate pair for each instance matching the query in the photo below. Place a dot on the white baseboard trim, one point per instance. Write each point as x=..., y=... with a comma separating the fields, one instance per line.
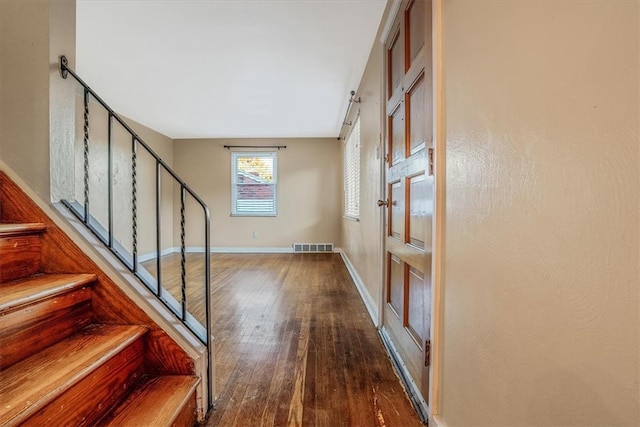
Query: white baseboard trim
x=249, y=250
x=152, y=255
x=362, y=289
x=224, y=250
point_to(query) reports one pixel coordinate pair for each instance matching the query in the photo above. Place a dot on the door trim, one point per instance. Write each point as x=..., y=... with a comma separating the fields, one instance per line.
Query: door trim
x=393, y=12
x=439, y=212
x=382, y=293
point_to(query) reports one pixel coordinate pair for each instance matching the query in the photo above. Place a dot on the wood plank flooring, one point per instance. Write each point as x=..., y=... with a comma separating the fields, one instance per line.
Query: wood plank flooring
x=294, y=344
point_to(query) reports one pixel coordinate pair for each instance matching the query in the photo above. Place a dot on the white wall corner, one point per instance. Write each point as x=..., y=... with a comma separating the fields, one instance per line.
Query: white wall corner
x=436, y=421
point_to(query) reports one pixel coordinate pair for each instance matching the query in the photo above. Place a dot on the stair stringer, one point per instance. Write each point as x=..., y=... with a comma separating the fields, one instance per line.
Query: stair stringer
x=119, y=294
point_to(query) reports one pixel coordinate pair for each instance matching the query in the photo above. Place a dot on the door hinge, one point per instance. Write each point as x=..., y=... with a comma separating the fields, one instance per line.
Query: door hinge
x=386, y=158
x=427, y=353
x=430, y=151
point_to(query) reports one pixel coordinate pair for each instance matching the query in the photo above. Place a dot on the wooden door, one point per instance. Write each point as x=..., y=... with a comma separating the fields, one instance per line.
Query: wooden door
x=409, y=189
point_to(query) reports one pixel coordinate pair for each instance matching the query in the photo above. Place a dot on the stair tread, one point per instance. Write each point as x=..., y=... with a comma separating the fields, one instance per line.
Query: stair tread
x=23, y=228
x=142, y=407
x=30, y=384
x=25, y=291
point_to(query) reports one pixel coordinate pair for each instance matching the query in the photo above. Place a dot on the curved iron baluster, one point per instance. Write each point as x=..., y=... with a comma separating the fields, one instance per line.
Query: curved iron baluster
x=134, y=201
x=86, y=156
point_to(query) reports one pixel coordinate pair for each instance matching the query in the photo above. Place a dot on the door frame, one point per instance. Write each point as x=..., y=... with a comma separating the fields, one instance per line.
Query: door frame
x=439, y=211
x=439, y=173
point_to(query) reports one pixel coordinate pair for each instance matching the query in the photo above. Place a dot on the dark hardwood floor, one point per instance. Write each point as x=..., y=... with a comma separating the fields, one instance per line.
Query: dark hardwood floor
x=294, y=344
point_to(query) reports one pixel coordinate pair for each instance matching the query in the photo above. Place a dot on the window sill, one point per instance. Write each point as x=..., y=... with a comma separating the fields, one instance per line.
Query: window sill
x=253, y=215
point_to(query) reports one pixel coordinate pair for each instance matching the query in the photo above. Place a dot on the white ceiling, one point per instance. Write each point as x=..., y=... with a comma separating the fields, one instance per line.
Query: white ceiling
x=227, y=69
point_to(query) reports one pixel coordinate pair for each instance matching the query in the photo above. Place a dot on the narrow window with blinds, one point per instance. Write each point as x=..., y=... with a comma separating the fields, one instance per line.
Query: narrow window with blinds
x=254, y=183
x=352, y=172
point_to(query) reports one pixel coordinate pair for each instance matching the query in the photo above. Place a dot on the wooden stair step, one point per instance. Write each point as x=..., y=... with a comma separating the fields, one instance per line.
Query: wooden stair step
x=31, y=385
x=161, y=401
x=21, y=292
x=20, y=248
x=41, y=310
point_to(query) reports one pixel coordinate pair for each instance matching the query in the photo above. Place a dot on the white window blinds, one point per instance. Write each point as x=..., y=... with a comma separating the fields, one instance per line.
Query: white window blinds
x=254, y=183
x=352, y=172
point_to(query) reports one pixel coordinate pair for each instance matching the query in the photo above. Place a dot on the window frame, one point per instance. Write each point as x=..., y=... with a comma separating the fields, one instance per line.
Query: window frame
x=351, y=171
x=235, y=155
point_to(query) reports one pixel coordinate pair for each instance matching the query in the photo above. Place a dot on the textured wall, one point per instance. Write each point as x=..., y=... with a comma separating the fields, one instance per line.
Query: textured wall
x=541, y=280
x=61, y=98
x=35, y=102
x=362, y=240
x=122, y=178
x=24, y=90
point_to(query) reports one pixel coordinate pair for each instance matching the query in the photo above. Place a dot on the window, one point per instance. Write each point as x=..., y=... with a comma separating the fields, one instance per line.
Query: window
x=352, y=172
x=254, y=183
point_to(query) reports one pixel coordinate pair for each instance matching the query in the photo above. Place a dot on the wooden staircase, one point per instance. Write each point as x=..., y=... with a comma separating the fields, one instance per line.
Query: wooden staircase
x=66, y=357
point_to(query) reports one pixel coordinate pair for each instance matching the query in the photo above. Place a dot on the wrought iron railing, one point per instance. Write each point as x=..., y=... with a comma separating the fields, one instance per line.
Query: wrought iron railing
x=106, y=234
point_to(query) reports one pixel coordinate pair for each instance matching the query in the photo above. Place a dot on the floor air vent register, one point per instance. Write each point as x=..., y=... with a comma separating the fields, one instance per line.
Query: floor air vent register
x=312, y=247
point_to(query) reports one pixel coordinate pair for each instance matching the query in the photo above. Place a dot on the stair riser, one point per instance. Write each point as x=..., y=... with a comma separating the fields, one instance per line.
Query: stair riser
x=178, y=394
x=19, y=257
x=36, y=326
x=97, y=394
x=188, y=416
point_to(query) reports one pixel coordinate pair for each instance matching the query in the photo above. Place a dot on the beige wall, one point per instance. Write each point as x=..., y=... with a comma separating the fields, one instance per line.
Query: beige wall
x=541, y=280
x=32, y=35
x=309, y=191
x=362, y=240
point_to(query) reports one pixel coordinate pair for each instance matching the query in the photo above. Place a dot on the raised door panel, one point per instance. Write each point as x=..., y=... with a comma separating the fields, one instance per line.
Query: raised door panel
x=396, y=210
x=415, y=17
x=396, y=285
x=418, y=196
x=418, y=306
x=395, y=62
x=397, y=133
x=416, y=113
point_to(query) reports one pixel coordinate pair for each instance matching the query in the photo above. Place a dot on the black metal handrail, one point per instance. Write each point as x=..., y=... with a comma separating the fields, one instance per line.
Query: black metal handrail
x=107, y=236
